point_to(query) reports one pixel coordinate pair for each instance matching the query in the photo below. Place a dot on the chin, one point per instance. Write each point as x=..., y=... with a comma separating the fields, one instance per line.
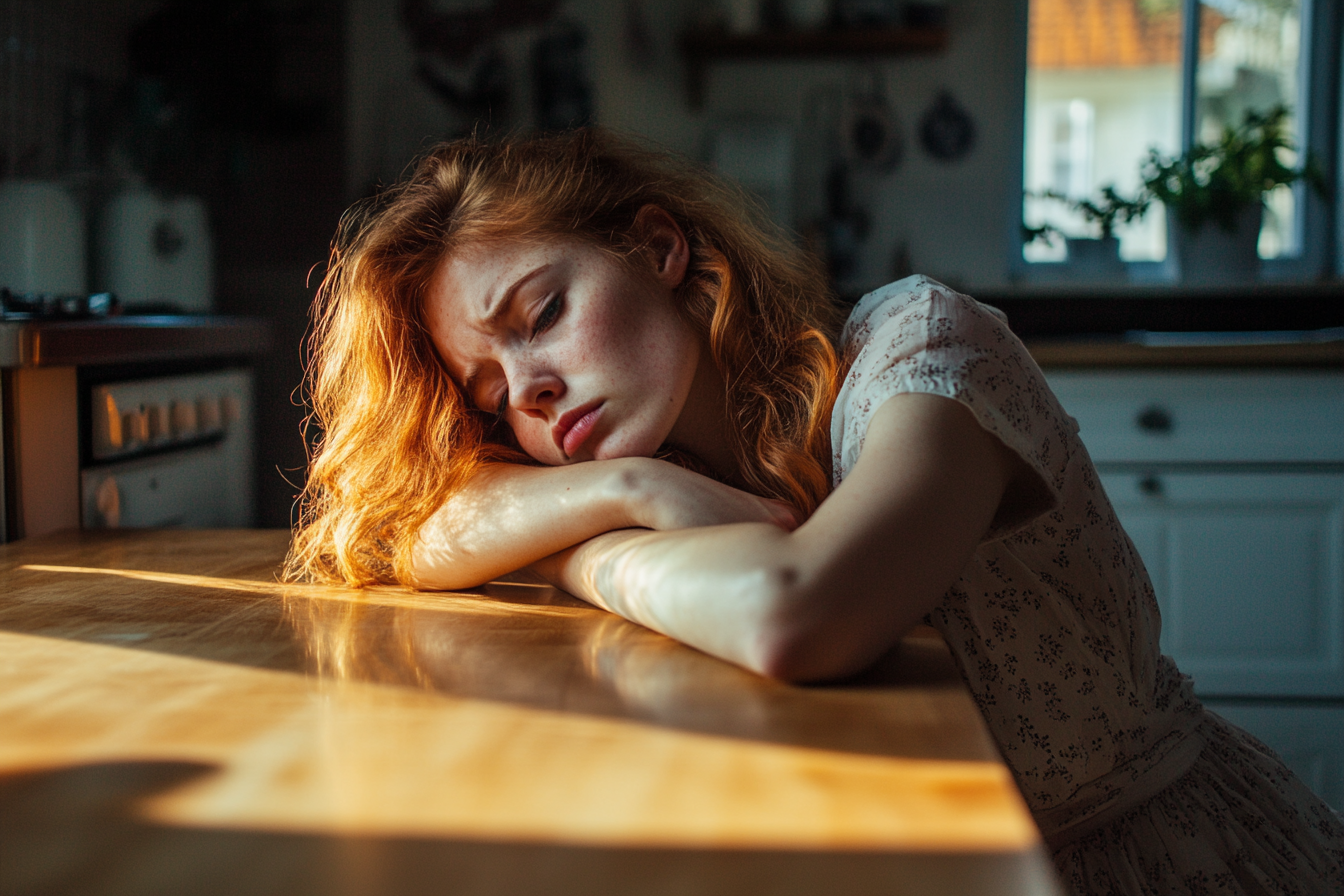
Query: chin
x=611, y=449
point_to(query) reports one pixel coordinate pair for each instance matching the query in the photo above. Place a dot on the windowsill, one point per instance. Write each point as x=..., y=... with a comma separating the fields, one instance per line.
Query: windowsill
x=1054, y=310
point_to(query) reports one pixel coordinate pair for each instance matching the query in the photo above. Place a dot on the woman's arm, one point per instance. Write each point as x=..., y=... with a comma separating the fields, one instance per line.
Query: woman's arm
x=509, y=515
x=828, y=598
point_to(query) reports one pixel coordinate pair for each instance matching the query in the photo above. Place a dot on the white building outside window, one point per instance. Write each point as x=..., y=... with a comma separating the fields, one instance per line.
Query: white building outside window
x=1106, y=81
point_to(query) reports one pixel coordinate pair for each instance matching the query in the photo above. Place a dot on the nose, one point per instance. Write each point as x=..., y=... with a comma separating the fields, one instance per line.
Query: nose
x=534, y=389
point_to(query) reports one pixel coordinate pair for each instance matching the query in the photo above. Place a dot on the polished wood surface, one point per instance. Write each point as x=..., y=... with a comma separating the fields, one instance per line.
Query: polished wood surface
x=173, y=719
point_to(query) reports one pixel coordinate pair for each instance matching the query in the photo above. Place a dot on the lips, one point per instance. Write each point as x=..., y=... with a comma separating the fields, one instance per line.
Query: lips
x=574, y=427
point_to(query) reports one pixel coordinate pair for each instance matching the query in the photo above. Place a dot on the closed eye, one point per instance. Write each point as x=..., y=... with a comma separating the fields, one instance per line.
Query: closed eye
x=550, y=312
x=502, y=406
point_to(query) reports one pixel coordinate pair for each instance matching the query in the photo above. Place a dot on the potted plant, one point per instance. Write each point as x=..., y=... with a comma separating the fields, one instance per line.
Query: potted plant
x=1096, y=256
x=1215, y=194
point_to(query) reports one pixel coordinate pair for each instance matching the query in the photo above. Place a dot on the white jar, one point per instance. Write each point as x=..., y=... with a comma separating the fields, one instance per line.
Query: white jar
x=42, y=241
x=157, y=250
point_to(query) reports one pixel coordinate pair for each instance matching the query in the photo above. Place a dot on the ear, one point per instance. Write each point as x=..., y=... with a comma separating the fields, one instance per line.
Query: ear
x=670, y=252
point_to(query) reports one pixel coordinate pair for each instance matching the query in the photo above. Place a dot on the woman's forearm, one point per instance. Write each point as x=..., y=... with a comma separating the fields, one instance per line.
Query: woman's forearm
x=511, y=516
x=716, y=588
x=828, y=598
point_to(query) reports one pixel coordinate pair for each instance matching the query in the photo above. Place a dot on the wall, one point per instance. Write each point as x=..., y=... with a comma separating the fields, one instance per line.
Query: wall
x=954, y=220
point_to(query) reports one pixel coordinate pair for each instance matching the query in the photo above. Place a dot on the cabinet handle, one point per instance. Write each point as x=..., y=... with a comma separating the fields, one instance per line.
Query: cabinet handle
x=1151, y=486
x=1154, y=419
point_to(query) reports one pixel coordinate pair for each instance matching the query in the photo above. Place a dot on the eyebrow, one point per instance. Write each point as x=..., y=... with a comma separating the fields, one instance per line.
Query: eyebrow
x=492, y=316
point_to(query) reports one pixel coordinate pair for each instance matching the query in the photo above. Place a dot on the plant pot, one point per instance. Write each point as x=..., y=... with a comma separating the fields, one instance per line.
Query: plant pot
x=1211, y=256
x=1095, y=260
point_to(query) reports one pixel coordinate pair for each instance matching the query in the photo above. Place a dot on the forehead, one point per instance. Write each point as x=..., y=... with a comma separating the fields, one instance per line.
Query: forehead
x=467, y=293
x=468, y=281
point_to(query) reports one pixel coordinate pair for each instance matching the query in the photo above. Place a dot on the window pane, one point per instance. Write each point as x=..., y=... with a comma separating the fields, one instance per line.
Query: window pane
x=1103, y=85
x=1249, y=61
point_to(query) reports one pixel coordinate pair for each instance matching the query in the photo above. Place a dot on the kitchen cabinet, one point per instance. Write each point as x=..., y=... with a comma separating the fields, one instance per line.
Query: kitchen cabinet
x=1231, y=485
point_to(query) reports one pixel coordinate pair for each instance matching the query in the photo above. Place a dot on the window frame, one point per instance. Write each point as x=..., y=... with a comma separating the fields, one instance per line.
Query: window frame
x=1320, y=220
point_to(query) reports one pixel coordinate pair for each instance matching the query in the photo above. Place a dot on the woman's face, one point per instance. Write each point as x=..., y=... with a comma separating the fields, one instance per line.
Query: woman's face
x=582, y=356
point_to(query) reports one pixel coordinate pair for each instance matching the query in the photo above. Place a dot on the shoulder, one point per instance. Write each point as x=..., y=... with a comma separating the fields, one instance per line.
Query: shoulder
x=906, y=304
x=918, y=335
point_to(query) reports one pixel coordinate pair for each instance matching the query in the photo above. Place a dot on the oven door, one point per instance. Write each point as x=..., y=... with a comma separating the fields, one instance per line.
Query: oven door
x=170, y=451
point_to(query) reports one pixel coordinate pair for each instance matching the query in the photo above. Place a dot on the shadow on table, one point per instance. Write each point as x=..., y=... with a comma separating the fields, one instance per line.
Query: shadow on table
x=76, y=830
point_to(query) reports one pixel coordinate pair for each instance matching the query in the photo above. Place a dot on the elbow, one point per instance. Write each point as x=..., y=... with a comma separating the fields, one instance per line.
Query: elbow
x=783, y=658
x=800, y=658
x=802, y=636
x=441, y=570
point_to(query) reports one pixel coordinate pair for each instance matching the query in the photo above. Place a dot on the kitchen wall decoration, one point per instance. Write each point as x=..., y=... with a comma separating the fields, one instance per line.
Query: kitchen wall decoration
x=947, y=131
x=870, y=136
x=845, y=227
x=460, y=58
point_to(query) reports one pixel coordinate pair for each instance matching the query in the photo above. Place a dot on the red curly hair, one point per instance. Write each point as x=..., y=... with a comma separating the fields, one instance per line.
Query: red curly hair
x=398, y=436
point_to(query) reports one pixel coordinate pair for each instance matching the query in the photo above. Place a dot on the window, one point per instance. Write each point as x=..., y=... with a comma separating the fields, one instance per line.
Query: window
x=1108, y=79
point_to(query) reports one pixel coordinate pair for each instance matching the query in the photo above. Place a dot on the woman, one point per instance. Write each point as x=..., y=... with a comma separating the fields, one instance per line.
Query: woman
x=572, y=353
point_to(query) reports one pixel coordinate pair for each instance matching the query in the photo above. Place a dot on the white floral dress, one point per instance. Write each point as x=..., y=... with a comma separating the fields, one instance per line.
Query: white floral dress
x=1136, y=787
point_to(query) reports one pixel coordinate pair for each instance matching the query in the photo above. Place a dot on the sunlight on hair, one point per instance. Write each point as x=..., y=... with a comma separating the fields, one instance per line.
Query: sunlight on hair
x=397, y=439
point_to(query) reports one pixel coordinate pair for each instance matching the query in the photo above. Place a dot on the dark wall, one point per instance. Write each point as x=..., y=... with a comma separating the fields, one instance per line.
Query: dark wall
x=274, y=225
x=263, y=82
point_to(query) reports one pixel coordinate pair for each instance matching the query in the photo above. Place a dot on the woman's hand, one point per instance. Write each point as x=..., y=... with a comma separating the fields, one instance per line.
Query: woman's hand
x=664, y=496
x=509, y=516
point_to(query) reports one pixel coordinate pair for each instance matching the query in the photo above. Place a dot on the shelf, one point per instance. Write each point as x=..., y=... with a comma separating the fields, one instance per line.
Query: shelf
x=702, y=48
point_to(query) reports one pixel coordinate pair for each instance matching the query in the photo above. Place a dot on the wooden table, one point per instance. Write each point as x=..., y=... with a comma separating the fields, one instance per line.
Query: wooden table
x=174, y=720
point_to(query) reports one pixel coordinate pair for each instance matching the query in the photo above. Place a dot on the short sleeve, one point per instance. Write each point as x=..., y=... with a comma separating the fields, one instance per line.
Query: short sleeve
x=917, y=335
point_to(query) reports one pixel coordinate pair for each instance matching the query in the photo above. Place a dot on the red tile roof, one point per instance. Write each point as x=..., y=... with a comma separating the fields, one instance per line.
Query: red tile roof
x=1079, y=34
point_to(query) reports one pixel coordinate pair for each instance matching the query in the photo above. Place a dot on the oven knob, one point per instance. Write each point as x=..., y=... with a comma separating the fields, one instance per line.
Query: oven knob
x=107, y=434
x=160, y=425
x=135, y=428
x=107, y=498
x=207, y=413
x=183, y=415
x=229, y=408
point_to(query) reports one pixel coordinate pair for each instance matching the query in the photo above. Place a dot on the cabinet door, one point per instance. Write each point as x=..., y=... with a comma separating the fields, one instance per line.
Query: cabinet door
x=1249, y=573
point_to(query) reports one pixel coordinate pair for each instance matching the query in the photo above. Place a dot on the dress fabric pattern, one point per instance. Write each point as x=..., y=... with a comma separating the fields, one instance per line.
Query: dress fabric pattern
x=1136, y=787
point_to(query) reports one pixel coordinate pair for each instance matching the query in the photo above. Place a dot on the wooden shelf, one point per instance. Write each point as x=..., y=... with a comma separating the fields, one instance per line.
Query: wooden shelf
x=702, y=48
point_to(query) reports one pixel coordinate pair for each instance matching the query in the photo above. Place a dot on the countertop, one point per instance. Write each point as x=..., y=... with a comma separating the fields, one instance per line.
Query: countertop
x=176, y=720
x=1255, y=351
x=129, y=339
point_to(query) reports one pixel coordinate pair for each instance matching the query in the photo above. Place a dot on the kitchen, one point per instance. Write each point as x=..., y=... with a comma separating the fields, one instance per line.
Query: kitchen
x=954, y=217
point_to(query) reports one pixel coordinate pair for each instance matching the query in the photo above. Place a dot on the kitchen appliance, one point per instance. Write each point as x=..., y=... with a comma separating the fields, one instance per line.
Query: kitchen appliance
x=122, y=444
x=168, y=451
x=155, y=250
x=41, y=239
